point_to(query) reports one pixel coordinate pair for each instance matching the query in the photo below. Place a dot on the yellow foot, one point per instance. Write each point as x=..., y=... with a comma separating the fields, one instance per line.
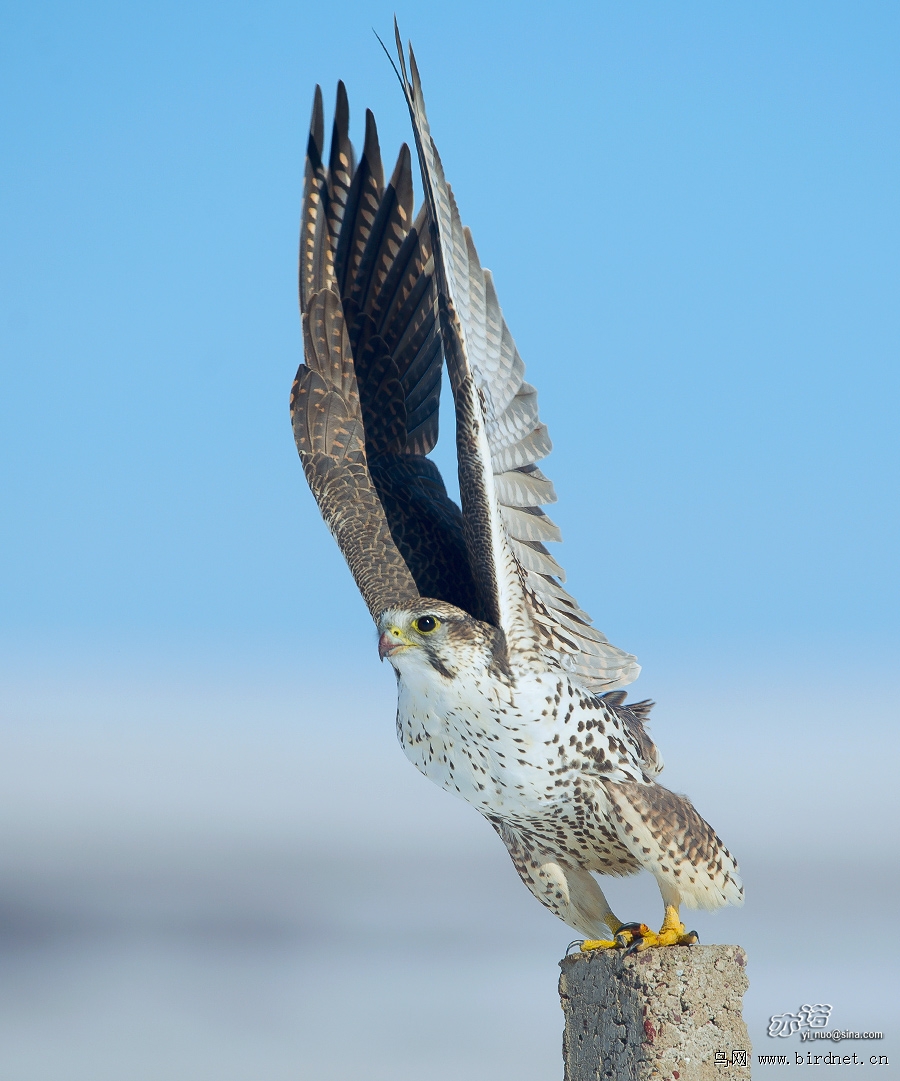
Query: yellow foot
x=598, y=944
x=628, y=937
x=637, y=937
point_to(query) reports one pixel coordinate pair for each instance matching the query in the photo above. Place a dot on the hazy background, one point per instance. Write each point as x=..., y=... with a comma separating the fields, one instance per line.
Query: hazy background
x=215, y=862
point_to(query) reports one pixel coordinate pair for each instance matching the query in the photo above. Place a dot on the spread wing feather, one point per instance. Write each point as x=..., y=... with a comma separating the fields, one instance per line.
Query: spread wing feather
x=500, y=439
x=364, y=405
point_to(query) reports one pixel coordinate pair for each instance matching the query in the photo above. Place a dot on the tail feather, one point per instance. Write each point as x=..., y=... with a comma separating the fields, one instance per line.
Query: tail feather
x=671, y=840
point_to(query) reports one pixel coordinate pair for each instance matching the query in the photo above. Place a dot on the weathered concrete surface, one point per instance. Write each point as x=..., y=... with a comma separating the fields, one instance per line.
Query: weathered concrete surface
x=655, y=1015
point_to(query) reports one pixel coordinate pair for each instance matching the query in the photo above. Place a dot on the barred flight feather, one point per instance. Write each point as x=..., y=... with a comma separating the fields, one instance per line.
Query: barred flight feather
x=499, y=440
x=388, y=230
x=405, y=275
x=529, y=524
x=365, y=403
x=534, y=557
x=363, y=199
x=313, y=186
x=530, y=448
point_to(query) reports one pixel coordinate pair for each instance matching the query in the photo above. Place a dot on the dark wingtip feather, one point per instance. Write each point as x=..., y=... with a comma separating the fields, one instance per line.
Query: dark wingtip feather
x=340, y=138
x=401, y=182
x=341, y=108
x=372, y=151
x=317, y=121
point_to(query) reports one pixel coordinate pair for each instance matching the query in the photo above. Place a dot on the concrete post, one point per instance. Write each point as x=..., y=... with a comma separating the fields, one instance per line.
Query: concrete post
x=671, y=1012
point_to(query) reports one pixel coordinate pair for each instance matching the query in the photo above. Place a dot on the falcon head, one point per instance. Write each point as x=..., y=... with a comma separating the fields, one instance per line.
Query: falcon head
x=433, y=636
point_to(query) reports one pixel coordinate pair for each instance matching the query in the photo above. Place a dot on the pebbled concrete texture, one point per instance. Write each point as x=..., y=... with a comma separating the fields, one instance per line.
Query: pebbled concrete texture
x=658, y=1015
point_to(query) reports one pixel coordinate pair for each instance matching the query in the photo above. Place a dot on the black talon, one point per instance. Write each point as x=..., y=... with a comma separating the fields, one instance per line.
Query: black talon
x=633, y=948
x=694, y=936
x=575, y=942
x=634, y=928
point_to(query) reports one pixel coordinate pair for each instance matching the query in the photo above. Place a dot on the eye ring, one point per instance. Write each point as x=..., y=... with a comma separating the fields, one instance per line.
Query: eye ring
x=426, y=624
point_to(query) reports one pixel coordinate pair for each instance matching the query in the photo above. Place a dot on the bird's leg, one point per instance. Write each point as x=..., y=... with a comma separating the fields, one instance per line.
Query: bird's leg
x=637, y=937
x=672, y=933
x=570, y=892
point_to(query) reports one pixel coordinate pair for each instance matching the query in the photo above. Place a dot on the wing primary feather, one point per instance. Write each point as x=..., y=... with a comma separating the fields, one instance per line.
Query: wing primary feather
x=419, y=318
x=406, y=271
x=313, y=189
x=529, y=524
x=362, y=205
x=422, y=369
x=532, y=447
x=386, y=235
x=340, y=169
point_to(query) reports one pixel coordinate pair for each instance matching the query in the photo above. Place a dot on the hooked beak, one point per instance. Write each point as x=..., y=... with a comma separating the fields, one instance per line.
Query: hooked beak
x=392, y=641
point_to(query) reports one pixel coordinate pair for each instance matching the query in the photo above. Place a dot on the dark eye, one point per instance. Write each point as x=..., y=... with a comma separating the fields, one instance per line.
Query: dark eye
x=426, y=624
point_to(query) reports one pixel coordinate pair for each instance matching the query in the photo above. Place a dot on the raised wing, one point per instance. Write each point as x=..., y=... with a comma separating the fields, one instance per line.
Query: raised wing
x=499, y=441
x=364, y=405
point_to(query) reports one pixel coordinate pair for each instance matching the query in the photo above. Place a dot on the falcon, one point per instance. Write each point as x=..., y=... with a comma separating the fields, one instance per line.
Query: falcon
x=508, y=696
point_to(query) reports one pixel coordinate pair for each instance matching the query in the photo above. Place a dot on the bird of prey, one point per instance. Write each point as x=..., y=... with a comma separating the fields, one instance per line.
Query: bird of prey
x=507, y=695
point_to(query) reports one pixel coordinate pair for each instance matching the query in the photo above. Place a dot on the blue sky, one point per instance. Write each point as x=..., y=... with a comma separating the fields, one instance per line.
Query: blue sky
x=691, y=215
